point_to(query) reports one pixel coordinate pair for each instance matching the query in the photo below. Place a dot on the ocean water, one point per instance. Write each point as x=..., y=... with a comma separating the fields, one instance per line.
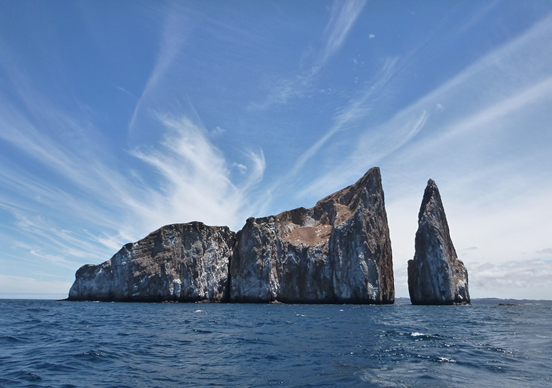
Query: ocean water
x=69, y=344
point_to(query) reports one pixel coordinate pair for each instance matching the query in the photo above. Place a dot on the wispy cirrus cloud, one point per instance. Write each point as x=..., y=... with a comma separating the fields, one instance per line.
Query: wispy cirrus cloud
x=349, y=116
x=196, y=179
x=371, y=147
x=487, y=99
x=343, y=16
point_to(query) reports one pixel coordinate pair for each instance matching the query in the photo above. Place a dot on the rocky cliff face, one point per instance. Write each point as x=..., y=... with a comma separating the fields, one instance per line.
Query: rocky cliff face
x=435, y=275
x=183, y=262
x=339, y=251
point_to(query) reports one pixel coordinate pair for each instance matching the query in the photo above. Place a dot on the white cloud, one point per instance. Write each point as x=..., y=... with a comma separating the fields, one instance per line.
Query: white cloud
x=512, y=279
x=196, y=182
x=241, y=168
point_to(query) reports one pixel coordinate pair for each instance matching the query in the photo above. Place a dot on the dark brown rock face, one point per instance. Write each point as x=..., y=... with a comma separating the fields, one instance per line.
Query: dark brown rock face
x=339, y=251
x=182, y=262
x=436, y=276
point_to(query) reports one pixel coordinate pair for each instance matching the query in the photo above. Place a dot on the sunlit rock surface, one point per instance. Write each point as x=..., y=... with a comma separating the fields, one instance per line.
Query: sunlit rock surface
x=339, y=251
x=436, y=276
x=181, y=262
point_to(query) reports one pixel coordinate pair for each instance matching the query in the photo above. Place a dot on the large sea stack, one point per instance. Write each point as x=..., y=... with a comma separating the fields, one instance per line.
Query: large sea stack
x=181, y=262
x=338, y=251
x=435, y=276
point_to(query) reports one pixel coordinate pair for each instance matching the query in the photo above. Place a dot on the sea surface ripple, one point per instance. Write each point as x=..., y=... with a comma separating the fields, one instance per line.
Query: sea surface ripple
x=69, y=344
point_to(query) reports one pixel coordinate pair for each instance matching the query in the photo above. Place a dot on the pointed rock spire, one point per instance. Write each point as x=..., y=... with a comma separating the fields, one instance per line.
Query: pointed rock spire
x=435, y=275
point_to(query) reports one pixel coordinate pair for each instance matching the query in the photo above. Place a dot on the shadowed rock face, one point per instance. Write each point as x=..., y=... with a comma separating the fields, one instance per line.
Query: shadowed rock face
x=182, y=262
x=339, y=251
x=436, y=276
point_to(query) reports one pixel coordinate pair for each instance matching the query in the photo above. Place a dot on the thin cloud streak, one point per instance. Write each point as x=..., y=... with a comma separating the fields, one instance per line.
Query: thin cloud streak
x=350, y=115
x=371, y=148
x=175, y=30
x=343, y=16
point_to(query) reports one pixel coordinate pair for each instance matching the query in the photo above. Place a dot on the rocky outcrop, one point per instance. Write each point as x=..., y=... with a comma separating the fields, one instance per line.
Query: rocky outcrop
x=435, y=276
x=182, y=262
x=339, y=251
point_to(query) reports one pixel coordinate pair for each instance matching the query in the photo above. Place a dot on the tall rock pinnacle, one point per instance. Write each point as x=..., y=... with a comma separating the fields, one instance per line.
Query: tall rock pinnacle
x=435, y=276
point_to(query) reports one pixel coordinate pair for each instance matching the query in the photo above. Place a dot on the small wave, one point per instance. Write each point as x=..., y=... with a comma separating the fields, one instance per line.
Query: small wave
x=200, y=331
x=91, y=355
x=27, y=376
x=445, y=359
x=9, y=338
x=254, y=341
x=37, y=310
x=423, y=336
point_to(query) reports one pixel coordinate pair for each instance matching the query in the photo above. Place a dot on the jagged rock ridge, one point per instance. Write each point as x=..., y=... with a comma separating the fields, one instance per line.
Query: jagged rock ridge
x=435, y=276
x=339, y=251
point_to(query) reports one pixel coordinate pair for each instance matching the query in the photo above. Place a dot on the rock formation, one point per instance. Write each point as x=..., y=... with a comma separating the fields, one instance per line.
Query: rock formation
x=435, y=276
x=182, y=262
x=339, y=251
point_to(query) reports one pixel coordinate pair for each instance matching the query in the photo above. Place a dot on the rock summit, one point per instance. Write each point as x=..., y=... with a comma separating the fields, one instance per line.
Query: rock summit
x=435, y=276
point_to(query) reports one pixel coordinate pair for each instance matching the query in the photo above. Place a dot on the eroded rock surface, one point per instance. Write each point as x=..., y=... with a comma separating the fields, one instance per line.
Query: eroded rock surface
x=181, y=262
x=436, y=276
x=339, y=251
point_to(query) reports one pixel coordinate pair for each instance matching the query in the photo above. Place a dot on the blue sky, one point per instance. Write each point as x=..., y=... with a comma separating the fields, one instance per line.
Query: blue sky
x=119, y=117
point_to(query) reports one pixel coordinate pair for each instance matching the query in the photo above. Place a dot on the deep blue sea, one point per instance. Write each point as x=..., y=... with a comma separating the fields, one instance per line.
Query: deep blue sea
x=72, y=344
